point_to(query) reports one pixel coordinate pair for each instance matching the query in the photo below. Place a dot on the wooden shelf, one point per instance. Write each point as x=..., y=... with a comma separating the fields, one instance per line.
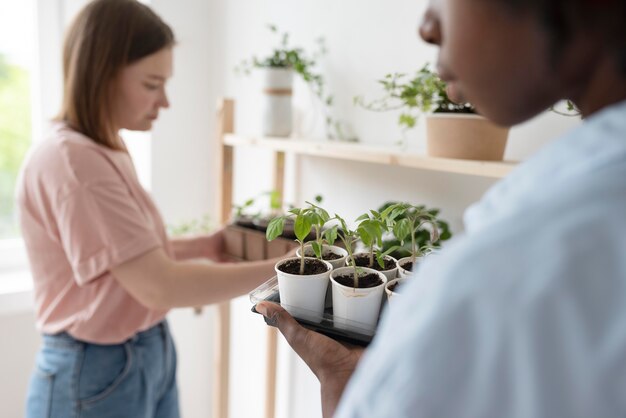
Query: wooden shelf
x=373, y=154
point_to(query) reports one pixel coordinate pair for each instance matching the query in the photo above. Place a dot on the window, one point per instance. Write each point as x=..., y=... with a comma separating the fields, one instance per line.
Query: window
x=17, y=52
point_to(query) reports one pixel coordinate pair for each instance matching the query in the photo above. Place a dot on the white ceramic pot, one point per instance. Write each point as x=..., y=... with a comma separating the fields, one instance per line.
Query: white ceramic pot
x=390, y=293
x=303, y=296
x=356, y=309
x=276, y=106
x=389, y=274
x=336, y=263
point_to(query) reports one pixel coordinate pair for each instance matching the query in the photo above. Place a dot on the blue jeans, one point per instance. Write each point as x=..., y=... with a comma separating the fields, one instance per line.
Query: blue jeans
x=75, y=379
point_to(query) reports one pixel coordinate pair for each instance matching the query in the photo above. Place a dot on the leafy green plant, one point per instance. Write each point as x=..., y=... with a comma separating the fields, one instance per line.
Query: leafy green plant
x=370, y=231
x=349, y=237
x=202, y=225
x=239, y=211
x=305, y=219
x=423, y=93
x=412, y=220
x=420, y=237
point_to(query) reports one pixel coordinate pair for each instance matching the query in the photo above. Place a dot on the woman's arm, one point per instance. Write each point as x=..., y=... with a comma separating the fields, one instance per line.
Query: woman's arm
x=201, y=246
x=159, y=282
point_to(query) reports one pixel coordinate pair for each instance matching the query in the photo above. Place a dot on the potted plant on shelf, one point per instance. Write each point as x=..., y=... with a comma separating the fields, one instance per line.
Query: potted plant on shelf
x=370, y=232
x=302, y=281
x=356, y=291
x=453, y=130
x=278, y=70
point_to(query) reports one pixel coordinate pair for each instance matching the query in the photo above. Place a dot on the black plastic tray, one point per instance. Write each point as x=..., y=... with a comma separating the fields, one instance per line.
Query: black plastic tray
x=357, y=335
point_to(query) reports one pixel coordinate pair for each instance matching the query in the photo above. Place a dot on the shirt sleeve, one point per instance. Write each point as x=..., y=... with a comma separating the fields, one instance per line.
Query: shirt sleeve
x=100, y=226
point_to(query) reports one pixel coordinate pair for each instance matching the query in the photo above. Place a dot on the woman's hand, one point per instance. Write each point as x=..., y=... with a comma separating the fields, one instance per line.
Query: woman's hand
x=332, y=362
x=212, y=246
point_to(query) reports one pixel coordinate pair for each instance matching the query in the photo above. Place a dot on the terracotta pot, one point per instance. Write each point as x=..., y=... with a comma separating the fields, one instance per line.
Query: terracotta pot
x=462, y=136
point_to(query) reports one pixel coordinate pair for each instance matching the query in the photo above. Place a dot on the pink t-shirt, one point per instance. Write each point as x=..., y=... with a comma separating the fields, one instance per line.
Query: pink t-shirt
x=83, y=212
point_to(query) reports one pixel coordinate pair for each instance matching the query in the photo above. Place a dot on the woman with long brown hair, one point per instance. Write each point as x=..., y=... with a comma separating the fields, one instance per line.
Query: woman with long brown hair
x=105, y=273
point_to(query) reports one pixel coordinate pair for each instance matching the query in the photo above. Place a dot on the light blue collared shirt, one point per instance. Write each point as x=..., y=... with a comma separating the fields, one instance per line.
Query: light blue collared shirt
x=523, y=316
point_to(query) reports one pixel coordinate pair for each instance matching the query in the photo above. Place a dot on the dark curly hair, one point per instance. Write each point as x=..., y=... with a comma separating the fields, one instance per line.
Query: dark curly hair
x=564, y=18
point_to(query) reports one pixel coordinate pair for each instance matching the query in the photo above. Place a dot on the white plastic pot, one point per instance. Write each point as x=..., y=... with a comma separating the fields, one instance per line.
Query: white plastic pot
x=303, y=296
x=339, y=262
x=356, y=309
x=389, y=274
x=404, y=273
x=390, y=294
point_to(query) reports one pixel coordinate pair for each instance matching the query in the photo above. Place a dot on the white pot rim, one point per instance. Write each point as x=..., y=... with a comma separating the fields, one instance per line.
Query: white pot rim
x=331, y=248
x=281, y=262
x=343, y=270
x=387, y=257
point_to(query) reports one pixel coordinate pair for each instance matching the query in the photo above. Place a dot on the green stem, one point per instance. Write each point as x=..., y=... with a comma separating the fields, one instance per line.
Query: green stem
x=302, y=258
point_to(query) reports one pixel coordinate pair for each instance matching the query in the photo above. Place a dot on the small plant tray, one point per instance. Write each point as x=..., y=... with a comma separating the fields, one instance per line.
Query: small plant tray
x=351, y=332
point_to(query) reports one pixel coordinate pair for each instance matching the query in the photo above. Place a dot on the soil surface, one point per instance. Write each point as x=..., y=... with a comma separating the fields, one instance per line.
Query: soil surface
x=330, y=256
x=365, y=281
x=408, y=266
x=363, y=260
x=325, y=256
x=310, y=267
x=392, y=287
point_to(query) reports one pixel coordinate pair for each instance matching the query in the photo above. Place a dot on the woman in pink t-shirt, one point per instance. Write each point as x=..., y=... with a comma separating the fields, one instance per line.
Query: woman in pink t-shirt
x=105, y=272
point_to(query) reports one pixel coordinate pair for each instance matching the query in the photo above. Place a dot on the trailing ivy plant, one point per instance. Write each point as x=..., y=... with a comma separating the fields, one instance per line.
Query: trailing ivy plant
x=420, y=94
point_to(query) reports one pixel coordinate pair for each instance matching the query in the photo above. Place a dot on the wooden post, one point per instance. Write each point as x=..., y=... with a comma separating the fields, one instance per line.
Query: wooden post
x=221, y=365
x=272, y=335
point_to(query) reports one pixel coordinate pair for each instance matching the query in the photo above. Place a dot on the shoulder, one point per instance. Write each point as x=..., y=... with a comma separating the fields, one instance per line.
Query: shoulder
x=66, y=160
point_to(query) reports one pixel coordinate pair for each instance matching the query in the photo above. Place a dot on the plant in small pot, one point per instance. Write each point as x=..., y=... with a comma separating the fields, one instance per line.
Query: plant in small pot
x=322, y=246
x=453, y=130
x=242, y=216
x=302, y=281
x=370, y=232
x=410, y=222
x=278, y=71
x=356, y=291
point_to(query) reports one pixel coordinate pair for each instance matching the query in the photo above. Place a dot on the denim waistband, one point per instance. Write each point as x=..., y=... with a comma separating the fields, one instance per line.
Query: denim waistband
x=66, y=340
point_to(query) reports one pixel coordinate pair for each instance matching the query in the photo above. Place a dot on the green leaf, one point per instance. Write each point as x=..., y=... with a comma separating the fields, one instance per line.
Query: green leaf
x=275, y=228
x=330, y=235
x=317, y=249
x=402, y=229
x=302, y=227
